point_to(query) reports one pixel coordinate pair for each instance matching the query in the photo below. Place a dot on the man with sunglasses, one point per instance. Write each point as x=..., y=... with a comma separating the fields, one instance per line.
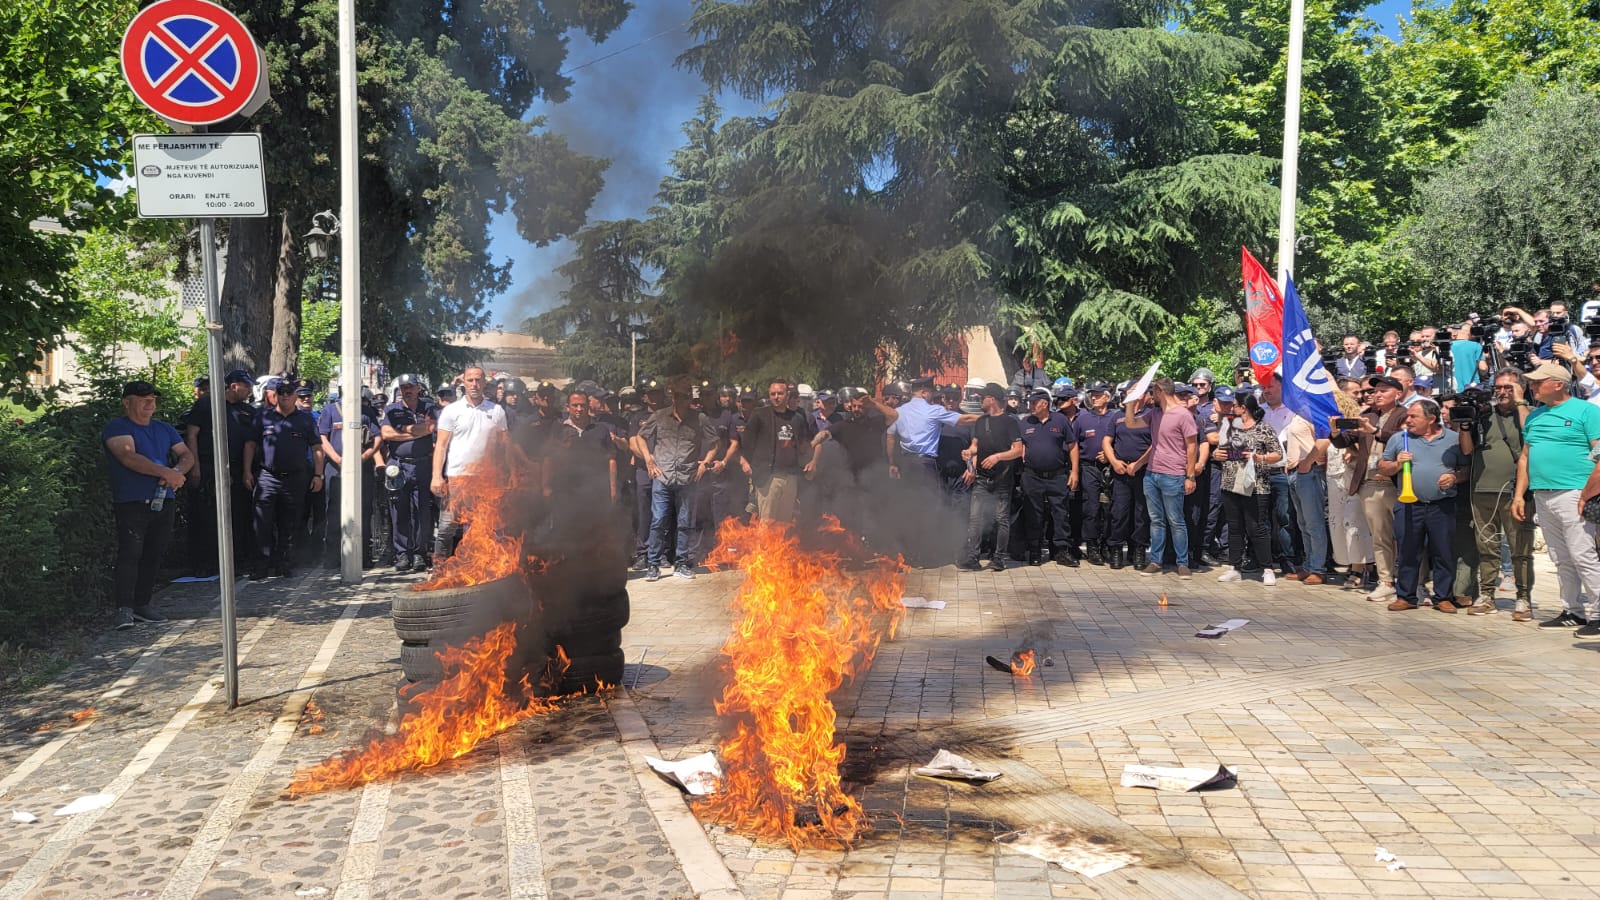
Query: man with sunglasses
x=1494, y=443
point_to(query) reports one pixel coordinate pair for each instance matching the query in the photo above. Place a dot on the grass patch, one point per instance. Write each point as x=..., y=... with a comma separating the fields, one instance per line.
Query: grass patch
x=25, y=668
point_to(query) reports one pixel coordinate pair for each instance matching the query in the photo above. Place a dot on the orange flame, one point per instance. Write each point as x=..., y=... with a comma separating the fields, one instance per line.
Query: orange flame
x=1022, y=664
x=805, y=624
x=471, y=704
x=486, y=552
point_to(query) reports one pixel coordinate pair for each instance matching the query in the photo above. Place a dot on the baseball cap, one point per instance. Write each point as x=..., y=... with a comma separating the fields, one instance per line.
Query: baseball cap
x=1039, y=394
x=1423, y=381
x=1184, y=389
x=921, y=384
x=1385, y=381
x=1549, y=370
x=1224, y=394
x=238, y=376
x=140, y=389
x=409, y=379
x=303, y=391
x=202, y=380
x=276, y=384
x=1098, y=386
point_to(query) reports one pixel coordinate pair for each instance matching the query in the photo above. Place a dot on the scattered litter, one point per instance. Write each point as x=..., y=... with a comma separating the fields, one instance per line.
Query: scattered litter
x=948, y=765
x=698, y=775
x=311, y=892
x=87, y=804
x=24, y=818
x=1049, y=660
x=1088, y=855
x=921, y=603
x=1384, y=856
x=191, y=579
x=1178, y=780
x=1395, y=866
x=1021, y=665
x=1216, y=631
x=82, y=714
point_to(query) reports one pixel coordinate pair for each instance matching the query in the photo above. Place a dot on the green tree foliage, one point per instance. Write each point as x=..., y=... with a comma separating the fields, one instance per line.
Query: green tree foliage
x=608, y=298
x=447, y=143
x=931, y=165
x=1513, y=221
x=319, y=351
x=63, y=128
x=126, y=301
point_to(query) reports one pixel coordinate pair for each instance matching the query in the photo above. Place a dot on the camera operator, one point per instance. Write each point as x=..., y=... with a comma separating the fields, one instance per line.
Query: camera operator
x=1466, y=357
x=1388, y=354
x=1382, y=418
x=1424, y=355
x=1490, y=432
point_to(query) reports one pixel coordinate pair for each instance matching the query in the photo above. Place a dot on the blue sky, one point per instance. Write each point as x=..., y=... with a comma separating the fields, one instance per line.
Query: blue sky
x=628, y=108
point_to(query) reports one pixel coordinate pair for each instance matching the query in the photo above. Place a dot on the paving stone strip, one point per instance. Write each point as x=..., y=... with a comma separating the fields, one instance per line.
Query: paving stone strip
x=1055, y=724
x=118, y=688
x=63, y=840
x=523, y=853
x=219, y=825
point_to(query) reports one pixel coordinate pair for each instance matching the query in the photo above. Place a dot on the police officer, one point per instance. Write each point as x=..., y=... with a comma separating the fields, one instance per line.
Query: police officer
x=1093, y=425
x=1128, y=454
x=511, y=399
x=240, y=416
x=896, y=393
x=330, y=427
x=407, y=430
x=282, y=463
x=1049, y=475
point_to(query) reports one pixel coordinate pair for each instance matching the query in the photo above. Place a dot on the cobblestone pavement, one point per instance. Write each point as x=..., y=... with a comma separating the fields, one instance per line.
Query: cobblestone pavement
x=1463, y=745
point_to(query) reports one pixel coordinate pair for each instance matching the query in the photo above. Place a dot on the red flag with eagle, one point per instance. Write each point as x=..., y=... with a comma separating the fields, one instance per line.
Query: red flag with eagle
x=1263, y=318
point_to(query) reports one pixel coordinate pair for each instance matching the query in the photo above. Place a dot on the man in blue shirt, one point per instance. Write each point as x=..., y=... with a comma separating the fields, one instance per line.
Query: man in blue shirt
x=282, y=463
x=330, y=430
x=143, y=492
x=911, y=443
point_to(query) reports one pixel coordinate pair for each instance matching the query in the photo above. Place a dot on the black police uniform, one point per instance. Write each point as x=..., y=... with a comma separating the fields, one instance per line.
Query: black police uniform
x=1046, y=470
x=411, y=494
x=202, y=524
x=282, y=482
x=1095, y=475
x=1129, y=520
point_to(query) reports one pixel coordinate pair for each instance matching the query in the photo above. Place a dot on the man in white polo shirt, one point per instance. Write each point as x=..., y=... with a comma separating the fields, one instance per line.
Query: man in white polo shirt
x=465, y=431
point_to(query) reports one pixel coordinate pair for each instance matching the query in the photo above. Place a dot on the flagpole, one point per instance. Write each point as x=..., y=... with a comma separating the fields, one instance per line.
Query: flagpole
x=1291, y=140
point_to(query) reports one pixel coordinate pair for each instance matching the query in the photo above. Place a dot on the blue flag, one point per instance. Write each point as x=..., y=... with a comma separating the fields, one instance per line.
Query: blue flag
x=1307, y=389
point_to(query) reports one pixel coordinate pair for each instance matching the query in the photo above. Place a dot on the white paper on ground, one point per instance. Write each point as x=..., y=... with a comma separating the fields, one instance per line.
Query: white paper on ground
x=949, y=765
x=1170, y=778
x=1216, y=631
x=698, y=774
x=86, y=804
x=1073, y=850
x=921, y=603
x=23, y=817
x=194, y=579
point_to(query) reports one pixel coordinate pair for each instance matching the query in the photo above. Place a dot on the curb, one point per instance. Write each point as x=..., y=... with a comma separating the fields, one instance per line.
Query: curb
x=703, y=866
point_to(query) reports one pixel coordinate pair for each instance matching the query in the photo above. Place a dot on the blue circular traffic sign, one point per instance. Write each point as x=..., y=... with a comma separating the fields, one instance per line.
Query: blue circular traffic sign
x=191, y=61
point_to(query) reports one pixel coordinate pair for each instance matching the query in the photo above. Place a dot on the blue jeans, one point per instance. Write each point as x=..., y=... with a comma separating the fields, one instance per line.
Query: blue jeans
x=1311, y=510
x=1282, y=540
x=671, y=503
x=1163, y=497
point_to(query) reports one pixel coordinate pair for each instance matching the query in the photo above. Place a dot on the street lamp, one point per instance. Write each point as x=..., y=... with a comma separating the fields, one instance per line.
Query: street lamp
x=324, y=227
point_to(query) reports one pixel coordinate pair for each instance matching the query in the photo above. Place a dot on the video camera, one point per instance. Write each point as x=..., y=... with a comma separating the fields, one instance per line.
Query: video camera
x=1472, y=403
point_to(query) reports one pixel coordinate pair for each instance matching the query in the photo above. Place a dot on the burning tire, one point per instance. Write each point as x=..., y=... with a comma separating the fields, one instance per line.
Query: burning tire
x=584, y=672
x=419, y=661
x=585, y=643
x=425, y=615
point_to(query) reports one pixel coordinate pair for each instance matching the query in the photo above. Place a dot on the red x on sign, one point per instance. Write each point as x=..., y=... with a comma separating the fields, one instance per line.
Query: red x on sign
x=191, y=61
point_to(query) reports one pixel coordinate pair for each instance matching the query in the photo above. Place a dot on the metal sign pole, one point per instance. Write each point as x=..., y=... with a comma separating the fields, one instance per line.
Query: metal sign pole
x=222, y=477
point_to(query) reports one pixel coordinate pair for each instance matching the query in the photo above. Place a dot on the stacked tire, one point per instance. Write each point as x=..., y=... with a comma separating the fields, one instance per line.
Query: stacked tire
x=583, y=618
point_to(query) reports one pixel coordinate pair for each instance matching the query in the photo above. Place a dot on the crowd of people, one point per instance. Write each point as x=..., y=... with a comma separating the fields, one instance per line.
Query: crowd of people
x=1423, y=492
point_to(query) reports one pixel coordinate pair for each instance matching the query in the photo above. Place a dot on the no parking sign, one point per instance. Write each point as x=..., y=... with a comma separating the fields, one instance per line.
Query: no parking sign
x=193, y=63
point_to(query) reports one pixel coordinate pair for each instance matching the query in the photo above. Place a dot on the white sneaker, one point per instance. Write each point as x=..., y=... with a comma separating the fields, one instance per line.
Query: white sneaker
x=1381, y=592
x=1230, y=575
x=1269, y=577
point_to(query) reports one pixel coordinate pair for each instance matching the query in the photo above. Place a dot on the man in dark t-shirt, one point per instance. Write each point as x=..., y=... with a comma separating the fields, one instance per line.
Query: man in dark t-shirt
x=996, y=447
x=772, y=446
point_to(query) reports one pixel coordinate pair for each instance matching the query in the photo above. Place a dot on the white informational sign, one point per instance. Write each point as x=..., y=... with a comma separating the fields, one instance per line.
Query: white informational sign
x=199, y=176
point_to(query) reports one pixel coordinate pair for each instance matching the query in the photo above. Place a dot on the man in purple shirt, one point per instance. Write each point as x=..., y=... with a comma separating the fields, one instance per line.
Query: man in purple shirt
x=1173, y=459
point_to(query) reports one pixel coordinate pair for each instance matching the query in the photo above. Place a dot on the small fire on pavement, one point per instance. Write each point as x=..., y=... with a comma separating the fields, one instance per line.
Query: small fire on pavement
x=1021, y=665
x=471, y=704
x=806, y=620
